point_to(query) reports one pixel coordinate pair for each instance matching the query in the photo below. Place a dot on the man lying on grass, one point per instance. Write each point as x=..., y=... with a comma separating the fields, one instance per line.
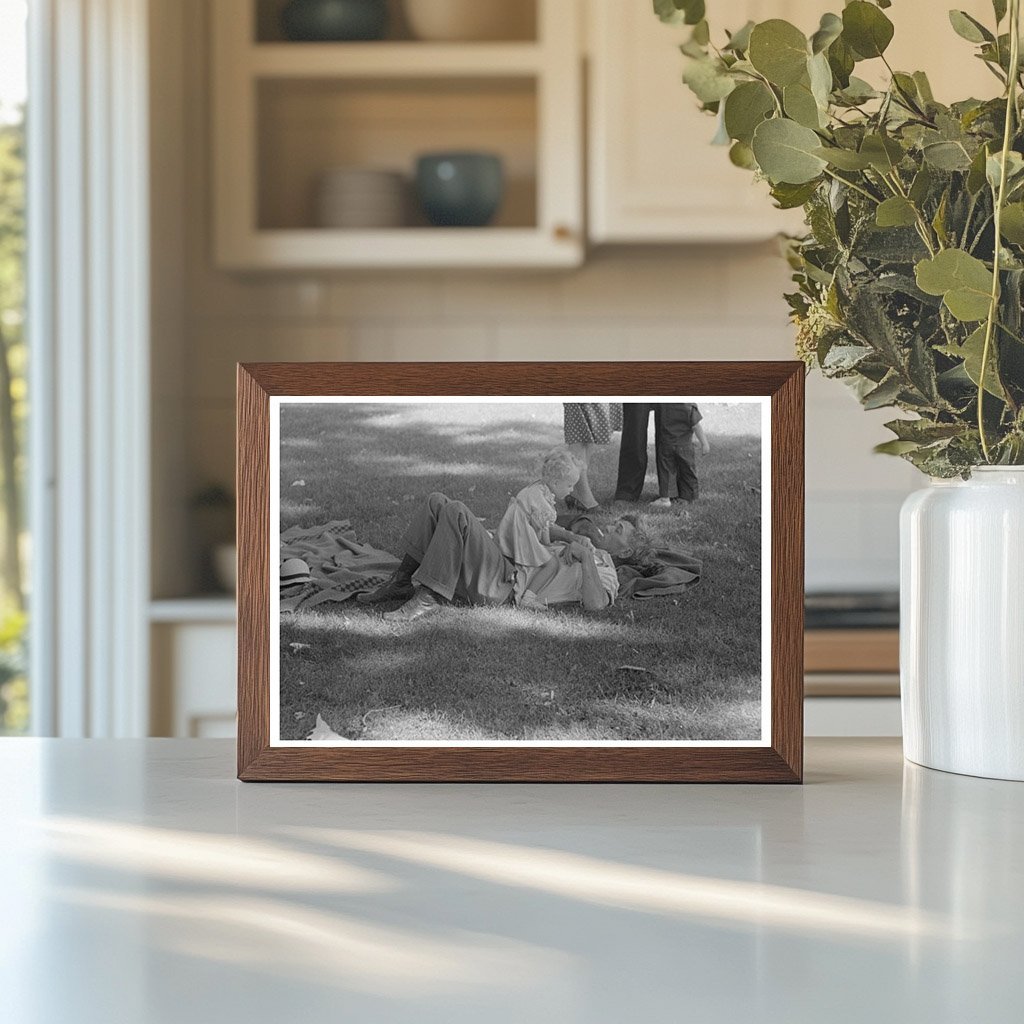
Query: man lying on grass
x=448, y=554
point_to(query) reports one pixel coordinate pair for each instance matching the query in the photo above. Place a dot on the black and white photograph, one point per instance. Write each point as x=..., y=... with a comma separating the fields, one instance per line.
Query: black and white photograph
x=520, y=571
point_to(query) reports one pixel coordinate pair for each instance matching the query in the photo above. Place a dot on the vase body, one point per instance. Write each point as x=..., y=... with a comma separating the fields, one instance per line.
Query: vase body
x=962, y=624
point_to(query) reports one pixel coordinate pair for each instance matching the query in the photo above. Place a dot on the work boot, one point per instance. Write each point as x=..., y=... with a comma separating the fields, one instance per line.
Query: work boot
x=422, y=603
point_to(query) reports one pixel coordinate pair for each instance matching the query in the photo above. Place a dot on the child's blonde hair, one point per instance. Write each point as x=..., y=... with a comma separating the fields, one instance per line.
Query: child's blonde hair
x=558, y=465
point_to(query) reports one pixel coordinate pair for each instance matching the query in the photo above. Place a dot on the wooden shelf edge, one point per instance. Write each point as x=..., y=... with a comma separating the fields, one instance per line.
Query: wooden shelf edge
x=406, y=248
x=392, y=60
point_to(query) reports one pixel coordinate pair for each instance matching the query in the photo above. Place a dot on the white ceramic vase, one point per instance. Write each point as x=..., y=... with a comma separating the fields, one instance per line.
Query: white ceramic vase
x=962, y=624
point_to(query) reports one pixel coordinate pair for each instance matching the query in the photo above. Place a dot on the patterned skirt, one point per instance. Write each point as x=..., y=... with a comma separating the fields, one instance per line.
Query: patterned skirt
x=591, y=422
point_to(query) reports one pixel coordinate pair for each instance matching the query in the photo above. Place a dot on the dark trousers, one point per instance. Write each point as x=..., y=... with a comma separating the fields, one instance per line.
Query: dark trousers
x=457, y=556
x=633, y=450
x=677, y=469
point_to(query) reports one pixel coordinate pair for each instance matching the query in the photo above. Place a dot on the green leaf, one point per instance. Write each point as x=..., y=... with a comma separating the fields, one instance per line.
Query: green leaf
x=946, y=156
x=939, y=220
x=829, y=30
x=789, y=197
x=701, y=33
x=884, y=395
x=820, y=76
x=921, y=185
x=676, y=12
x=741, y=155
x=924, y=87
x=708, y=81
x=906, y=90
x=745, y=108
x=844, y=159
x=883, y=153
x=800, y=105
x=963, y=281
x=778, y=50
x=896, y=212
x=923, y=431
x=1012, y=224
x=785, y=152
x=739, y=41
x=969, y=28
x=971, y=352
x=866, y=29
x=976, y=174
x=858, y=91
x=994, y=168
x=841, y=60
x=895, y=447
x=999, y=7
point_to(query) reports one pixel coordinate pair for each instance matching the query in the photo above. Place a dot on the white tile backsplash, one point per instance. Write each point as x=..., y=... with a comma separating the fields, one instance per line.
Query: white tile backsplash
x=715, y=303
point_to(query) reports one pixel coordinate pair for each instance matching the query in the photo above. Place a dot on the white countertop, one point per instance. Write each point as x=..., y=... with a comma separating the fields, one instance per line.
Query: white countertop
x=143, y=885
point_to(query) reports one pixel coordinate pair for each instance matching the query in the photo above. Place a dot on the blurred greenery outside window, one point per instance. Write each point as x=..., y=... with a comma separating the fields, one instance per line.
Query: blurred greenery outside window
x=14, y=703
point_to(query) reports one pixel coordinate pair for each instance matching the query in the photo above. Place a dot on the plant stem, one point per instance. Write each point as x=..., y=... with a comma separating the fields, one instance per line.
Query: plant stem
x=855, y=187
x=922, y=225
x=993, y=309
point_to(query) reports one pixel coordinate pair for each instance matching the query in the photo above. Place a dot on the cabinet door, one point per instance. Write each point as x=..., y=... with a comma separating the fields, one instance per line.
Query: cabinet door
x=654, y=175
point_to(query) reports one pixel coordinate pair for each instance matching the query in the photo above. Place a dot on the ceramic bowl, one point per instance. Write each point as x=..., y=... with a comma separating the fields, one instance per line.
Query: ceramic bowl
x=334, y=20
x=470, y=20
x=358, y=197
x=460, y=189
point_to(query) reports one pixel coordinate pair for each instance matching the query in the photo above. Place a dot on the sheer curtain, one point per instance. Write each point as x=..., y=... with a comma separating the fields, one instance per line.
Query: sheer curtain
x=88, y=300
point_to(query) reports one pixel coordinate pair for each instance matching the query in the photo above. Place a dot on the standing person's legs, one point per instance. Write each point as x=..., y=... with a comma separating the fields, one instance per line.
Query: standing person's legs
x=686, y=471
x=584, y=495
x=457, y=556
x=633, y=451
x=666, y=457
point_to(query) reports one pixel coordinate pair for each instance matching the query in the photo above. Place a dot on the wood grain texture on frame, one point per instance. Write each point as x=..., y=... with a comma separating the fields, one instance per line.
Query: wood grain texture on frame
x=782, y=761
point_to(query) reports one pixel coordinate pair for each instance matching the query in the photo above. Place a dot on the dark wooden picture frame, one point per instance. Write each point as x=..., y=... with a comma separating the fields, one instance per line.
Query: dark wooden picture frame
x=780, y=761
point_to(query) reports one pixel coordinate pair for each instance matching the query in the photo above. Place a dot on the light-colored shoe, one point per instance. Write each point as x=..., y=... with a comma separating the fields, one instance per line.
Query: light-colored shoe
x=661, y=503
x=422, y=603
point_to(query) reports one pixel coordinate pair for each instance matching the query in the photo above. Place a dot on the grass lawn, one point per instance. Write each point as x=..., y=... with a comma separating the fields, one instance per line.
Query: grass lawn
x=664, y=669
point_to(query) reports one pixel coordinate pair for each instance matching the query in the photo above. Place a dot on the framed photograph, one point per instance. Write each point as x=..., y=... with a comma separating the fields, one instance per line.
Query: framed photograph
x=520, y=572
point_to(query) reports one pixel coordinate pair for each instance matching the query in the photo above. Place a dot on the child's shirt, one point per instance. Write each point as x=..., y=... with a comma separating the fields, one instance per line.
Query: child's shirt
x=525, y=530
x=677, y=421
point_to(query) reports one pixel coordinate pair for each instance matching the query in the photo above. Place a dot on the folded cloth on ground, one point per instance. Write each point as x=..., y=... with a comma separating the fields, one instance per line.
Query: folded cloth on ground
x=339, y=565
x=666, y=572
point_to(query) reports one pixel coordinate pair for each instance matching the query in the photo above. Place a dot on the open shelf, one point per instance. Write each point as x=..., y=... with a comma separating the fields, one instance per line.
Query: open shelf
x=306, y=128
x=286, y=114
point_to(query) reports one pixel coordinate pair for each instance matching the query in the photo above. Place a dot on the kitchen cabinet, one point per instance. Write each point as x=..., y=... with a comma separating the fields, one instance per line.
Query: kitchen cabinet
x=653, y=175
x=286, y=113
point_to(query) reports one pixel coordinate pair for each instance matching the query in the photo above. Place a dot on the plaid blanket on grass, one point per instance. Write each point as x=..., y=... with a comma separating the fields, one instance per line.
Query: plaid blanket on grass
x=339, y=566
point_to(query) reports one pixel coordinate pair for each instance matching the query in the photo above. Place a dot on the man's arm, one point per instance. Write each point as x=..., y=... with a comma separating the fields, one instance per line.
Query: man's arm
x=593, y=594
x=700, y=438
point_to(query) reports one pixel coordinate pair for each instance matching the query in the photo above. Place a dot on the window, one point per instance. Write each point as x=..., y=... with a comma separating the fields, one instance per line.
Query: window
x=14, y=704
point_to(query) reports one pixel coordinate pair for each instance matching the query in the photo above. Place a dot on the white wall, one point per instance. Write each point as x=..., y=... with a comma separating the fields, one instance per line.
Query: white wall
x=655, y=303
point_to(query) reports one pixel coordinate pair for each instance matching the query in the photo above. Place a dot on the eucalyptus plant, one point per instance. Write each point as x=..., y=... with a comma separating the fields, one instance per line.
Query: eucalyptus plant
x=910, y=278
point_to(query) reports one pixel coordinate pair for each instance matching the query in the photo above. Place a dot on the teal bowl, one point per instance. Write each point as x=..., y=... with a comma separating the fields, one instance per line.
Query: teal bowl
x=460, y=190
x=334, y=21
